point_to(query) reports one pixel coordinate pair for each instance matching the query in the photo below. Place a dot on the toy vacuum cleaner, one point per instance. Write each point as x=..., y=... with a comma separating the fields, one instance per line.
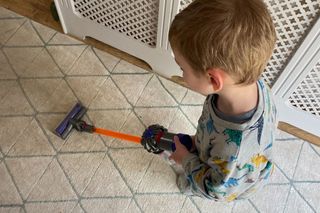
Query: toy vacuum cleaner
x=155, y=138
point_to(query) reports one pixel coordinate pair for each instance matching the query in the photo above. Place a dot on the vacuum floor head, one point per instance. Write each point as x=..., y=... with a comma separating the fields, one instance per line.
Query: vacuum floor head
x=66, y=125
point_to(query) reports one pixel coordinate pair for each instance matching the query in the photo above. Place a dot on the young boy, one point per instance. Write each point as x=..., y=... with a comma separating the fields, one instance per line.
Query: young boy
x=222, y=47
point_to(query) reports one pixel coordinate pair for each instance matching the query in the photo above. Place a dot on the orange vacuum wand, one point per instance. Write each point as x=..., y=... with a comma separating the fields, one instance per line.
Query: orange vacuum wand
x=155, y=138
x=119, y=135
x=82, y=126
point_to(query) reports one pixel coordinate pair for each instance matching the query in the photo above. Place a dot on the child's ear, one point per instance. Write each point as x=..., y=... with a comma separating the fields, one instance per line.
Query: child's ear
x=216, y=78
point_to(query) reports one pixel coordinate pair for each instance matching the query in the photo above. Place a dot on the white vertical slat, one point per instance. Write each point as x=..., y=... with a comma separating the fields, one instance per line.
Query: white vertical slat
x=162, y=5
x=293, y=71
x=61, y=9
x=166, y=23
x=311, y=59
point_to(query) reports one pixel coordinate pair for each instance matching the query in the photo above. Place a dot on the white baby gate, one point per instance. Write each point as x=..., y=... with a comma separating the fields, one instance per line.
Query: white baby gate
x=140, y=28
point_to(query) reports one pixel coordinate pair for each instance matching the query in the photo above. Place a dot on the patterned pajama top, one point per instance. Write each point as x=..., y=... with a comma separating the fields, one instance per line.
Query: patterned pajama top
x=233, y=159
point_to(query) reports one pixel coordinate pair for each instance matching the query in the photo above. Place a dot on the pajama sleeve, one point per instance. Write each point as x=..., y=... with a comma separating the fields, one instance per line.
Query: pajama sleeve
x=210, y=179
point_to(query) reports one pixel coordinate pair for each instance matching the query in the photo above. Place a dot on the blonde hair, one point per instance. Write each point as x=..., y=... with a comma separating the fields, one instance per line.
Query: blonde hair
x=237, y=36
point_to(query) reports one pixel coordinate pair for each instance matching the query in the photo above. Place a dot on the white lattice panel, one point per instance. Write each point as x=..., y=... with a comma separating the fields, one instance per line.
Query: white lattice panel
x=140, y=28
x=184, y=4
x=292, y=19
x=137, y=19
x=307, y=94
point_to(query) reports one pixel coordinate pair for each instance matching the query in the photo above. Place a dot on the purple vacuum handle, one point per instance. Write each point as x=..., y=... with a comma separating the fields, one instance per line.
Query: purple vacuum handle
x=156, y=139
x=186, y=140
x=166, y=142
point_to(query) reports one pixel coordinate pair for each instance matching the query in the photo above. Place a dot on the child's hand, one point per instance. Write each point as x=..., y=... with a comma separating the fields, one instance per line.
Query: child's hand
x=180, y=153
